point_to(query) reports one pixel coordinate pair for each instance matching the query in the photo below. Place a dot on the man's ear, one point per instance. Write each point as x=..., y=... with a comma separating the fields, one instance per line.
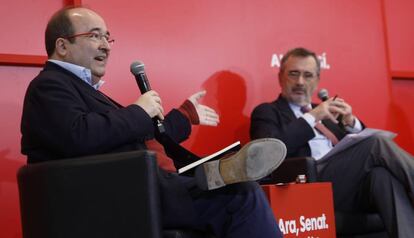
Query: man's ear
x=60, y=47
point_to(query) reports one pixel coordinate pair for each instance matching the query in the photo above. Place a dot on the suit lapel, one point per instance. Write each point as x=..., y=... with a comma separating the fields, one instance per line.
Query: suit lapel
x=86, y=89
x=83, y=86
x=283, y=106
x=95, y=94
x=108, y=99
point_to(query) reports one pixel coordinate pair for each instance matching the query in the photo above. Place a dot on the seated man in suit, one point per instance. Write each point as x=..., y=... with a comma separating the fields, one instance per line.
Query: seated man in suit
x=65, y=116
x=296, y=121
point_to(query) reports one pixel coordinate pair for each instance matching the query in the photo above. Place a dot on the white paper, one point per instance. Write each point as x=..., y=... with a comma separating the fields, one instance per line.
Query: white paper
x=351, y=139
x=207, y=158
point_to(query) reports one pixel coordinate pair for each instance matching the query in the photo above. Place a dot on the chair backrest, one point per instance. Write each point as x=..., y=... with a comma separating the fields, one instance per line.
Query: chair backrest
x=110, y=195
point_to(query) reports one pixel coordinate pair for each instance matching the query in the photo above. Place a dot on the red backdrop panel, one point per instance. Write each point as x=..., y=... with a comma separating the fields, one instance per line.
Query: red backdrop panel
x=227, y=47
x=399, y=15
x=23, y=23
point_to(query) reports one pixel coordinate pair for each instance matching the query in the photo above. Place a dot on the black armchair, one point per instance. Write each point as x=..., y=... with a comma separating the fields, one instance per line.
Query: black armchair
x=348, y=225
x=105, y=196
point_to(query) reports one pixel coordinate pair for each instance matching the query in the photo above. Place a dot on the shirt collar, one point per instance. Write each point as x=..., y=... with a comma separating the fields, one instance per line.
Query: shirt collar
x=83, y=73
x=297, y=109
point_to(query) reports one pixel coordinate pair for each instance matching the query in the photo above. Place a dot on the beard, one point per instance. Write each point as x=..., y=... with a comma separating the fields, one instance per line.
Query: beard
x=298, y=95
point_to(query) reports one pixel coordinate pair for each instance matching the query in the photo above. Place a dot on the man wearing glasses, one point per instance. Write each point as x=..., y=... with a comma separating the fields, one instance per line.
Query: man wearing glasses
x=65, y=116
x=310, y=129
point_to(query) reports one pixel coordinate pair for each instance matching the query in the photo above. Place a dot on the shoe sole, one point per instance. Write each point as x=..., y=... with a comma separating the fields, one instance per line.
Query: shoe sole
x=254, y=161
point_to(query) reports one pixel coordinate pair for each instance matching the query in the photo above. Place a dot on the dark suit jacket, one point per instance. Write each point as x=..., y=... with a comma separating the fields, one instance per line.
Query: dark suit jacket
x=64, y=117
x=277, y=120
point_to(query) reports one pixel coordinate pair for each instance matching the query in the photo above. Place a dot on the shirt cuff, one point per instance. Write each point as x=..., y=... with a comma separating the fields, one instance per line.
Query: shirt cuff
x=188, y=110
x=357, y=127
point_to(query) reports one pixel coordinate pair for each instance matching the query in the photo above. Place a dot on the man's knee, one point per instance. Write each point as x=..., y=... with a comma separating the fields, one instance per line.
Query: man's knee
x=375, y=139
x=380, y=140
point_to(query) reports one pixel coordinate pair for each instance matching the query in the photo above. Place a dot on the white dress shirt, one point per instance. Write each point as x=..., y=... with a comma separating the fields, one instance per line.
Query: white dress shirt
x=83, y=73
x=320, y=145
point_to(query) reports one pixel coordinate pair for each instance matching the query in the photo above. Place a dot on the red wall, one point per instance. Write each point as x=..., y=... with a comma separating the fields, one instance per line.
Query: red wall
x=225, y=47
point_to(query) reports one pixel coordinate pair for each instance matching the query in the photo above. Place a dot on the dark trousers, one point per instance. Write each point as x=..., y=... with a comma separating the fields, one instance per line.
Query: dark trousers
x=374, y=174
x=239, y=210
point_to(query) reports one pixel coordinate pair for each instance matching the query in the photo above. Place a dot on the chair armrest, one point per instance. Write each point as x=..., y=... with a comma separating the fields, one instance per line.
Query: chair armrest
x=292, y=167
x=110, y=195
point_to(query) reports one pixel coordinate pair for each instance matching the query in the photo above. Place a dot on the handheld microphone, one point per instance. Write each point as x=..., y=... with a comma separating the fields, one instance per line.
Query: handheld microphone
x=323, y=94
x=137, y=69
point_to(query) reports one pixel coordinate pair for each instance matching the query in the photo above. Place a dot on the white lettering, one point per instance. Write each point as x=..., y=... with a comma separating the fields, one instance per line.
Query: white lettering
x=282, y=226
x=275, y=62
x=313, y=223
x=323, y=60
x=307, y=224
x=276, y=58
x=288, y=227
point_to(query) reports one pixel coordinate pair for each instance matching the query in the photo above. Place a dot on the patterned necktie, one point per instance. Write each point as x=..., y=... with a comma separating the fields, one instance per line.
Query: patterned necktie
x=322, y=128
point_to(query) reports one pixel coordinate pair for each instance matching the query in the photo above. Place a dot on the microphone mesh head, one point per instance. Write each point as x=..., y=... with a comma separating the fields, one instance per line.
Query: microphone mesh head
x=323, y=94
x=137, y=67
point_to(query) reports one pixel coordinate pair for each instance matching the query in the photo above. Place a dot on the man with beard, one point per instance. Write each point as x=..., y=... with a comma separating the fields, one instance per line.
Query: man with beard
x=309, y=129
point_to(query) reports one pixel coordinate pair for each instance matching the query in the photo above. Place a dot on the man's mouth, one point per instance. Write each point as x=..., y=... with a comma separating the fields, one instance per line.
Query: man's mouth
x=298, y=90
x=100, y=58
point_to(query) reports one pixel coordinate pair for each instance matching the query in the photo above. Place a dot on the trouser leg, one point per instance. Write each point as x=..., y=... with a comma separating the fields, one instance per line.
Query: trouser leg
x=383, y=193
x=399, y=162
x=347, y=169
x=239, y=210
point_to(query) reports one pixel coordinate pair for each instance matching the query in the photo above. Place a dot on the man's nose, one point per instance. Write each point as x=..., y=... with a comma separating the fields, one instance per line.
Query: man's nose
x=105, y=45
x=301, y=79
